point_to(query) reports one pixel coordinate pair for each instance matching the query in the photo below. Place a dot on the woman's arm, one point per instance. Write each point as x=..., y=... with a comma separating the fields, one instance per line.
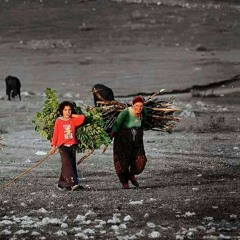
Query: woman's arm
x=119, y=121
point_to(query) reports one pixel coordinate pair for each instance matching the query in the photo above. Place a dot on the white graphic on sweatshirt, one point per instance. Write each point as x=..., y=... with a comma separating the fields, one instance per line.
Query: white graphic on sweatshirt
x=67, y=131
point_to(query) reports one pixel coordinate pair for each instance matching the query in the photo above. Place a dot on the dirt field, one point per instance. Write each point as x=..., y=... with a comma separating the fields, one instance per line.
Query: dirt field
x=190, y=187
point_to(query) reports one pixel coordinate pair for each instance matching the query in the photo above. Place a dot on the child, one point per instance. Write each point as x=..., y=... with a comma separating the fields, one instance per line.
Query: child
x=64, y=138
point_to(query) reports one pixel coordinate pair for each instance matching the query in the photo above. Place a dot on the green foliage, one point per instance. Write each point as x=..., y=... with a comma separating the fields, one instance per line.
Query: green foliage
x=44, y=121
x=90, y=136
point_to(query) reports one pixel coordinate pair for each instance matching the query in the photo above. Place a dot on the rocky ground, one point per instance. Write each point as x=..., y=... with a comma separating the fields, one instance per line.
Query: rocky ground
x=190, y=187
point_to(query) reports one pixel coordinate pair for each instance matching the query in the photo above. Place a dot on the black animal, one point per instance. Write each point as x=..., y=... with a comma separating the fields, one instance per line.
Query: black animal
x=102, y=93
x=13, y=86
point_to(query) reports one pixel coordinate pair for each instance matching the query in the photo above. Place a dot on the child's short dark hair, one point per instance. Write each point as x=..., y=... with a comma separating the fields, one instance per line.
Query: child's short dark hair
x=63, y=105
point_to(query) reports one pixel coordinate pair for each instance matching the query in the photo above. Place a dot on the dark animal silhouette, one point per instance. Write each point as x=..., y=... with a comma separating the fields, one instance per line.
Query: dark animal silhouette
x=13, y=86
x=102, y=93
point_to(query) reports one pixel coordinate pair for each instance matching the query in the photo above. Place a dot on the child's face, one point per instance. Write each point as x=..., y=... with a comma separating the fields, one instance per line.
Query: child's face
x=67, y=112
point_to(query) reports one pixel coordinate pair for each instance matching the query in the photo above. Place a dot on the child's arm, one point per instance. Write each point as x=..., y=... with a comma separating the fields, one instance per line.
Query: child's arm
x=78, y=119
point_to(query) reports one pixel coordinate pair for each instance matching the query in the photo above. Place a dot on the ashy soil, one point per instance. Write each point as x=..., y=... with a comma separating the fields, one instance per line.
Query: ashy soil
x=190, y=187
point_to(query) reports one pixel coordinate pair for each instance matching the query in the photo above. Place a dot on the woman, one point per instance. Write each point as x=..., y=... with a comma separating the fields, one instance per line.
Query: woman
x=128, y=148
x=64, y=138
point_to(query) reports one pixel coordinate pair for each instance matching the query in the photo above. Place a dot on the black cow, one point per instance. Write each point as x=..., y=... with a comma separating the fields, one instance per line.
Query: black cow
x=13, y=86
x=102, y=93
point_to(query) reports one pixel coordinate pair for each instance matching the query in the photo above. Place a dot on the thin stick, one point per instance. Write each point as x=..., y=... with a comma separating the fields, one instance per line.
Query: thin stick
x=104, y=150
x=26, y=171
x=164, y=109
x=85, y=156
x=152, y=96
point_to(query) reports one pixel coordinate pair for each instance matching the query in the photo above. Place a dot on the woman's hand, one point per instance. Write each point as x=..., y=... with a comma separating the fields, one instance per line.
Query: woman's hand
x=112, y=135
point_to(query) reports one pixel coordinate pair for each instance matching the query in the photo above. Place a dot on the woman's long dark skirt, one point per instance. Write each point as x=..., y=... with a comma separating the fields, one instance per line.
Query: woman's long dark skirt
x=68, y=177
x=128, y=153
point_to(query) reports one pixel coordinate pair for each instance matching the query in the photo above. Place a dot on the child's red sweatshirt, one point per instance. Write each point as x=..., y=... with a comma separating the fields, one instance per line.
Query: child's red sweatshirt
x=65, y=130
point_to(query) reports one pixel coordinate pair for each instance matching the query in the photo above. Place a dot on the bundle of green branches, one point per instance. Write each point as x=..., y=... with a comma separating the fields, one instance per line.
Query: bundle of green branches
x=90, y=136
x=160, y=115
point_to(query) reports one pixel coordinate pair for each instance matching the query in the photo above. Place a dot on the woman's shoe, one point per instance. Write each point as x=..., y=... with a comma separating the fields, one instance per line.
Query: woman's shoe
x=134, y=181
x=125, y=185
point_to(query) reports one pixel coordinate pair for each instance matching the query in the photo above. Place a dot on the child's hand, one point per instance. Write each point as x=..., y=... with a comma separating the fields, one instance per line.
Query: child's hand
x=53, y=150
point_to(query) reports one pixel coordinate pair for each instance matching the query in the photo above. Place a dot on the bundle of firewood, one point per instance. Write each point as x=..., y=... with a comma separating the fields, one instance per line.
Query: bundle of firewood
x=160, y=114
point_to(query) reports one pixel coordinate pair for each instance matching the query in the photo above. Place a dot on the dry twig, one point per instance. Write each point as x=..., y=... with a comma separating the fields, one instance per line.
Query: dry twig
x=160, y=113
